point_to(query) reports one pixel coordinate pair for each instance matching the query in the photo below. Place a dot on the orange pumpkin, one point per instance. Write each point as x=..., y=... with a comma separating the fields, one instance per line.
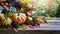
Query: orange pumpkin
x=19, y=17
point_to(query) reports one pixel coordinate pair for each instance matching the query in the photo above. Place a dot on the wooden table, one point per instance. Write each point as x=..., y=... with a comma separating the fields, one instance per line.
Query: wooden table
x=52, y=28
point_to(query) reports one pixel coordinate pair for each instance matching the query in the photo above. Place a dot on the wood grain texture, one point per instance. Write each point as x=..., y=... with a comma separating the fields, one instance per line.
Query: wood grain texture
x=29, y=32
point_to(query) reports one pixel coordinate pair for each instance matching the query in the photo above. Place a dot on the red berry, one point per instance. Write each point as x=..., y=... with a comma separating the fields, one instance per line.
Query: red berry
x=38, y=23
x=0, y=19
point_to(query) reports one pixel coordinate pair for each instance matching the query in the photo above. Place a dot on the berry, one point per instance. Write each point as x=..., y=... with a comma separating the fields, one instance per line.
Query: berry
x=27, y=23
x=33, y=24
x=0, y=19
x=38, y=23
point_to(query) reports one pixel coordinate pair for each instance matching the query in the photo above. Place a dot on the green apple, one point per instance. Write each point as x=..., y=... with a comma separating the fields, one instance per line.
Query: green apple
x=30, y=18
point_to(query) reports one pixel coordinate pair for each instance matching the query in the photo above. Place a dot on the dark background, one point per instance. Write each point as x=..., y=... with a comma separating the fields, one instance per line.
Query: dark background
x=29, y=32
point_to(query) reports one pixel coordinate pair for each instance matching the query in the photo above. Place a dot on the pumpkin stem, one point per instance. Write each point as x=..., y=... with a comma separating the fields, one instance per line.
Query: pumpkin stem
x=18, y=14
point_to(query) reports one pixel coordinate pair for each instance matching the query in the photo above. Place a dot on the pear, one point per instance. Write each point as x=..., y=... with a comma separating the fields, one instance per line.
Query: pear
x=30, y=18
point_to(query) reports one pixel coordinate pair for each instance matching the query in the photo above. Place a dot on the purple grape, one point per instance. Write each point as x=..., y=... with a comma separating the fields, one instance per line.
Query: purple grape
x=34, y=21
x=30, y=26
x=15, y=24
x=33, y=24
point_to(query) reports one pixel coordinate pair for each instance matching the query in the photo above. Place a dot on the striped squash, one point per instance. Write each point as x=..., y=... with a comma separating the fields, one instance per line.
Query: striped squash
x=6, y=22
